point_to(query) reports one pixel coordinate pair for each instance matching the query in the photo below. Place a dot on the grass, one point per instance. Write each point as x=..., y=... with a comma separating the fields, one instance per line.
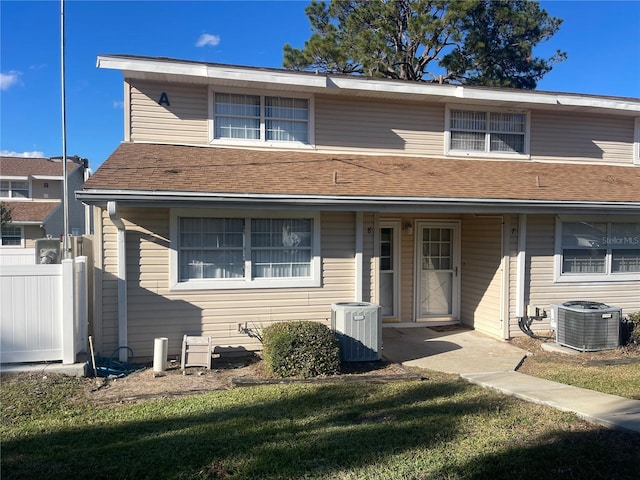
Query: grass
x=619, y=379
x=437, y=428
x=616, y=372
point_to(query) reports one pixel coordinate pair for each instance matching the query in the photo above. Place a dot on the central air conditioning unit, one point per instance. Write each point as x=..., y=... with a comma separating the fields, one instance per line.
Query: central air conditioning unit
x=587, y=326
x=358, y=327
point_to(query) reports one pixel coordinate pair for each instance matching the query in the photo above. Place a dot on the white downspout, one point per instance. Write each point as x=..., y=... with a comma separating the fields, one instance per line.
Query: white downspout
x=112, y=208
x=521, y=266
x=358, y=256
x=506, y=270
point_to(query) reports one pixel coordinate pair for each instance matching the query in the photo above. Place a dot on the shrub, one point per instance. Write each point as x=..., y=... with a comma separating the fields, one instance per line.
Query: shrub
x=630, y=330
x=302, y=348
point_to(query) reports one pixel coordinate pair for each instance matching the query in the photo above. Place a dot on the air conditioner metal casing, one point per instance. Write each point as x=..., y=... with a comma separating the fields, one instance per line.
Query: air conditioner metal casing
x=587, y=326
x=358, y=327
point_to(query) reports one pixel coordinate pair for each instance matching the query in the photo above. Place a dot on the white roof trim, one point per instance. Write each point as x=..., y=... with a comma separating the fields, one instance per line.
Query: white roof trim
x=335, y=83
x=380, y=202
x=47, y=177
x=207, y=71
x=17, y=178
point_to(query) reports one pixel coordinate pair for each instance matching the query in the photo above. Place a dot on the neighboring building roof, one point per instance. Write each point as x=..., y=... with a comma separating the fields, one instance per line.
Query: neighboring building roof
x=25, y=166
x=31, y=212
x=148, y=171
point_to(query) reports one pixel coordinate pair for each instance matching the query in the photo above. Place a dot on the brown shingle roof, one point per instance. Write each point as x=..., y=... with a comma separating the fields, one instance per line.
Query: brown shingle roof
x=21, y=167
x=151, y=167
x=31, y=212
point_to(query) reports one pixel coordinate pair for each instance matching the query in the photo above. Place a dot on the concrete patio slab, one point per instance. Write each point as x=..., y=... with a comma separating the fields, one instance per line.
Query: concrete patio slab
x=453, y=351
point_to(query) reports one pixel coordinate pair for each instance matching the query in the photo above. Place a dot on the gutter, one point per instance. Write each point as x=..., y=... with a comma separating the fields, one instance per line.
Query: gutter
x=364, y=203
x=121, y=255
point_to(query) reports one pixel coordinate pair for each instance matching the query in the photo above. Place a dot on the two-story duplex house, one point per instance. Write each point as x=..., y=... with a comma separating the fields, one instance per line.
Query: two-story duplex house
x=245, y=196
x=32, y=188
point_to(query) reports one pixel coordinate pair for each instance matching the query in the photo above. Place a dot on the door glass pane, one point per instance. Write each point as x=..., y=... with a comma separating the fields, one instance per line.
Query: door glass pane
x=387, y=273
x=386, y=249
x=386, y=293
x=436, y=287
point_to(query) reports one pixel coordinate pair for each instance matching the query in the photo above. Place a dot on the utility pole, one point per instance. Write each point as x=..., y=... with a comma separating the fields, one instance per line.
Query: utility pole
x=65, y=185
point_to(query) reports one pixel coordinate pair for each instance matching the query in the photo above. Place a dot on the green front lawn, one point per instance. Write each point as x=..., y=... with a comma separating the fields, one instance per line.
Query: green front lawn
x=437, y=428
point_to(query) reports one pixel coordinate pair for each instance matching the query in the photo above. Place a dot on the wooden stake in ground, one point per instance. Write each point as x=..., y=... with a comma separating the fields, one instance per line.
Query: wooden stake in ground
x=93, y=357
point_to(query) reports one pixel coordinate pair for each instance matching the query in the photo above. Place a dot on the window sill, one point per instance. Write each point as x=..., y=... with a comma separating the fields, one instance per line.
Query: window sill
x=228, y=142
x=612, y=278
x=492, y=155
x=242, y=284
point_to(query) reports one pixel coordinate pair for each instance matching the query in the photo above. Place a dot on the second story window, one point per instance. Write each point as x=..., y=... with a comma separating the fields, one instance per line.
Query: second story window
x=481, y=132
x=258, y=118
x=14, y=189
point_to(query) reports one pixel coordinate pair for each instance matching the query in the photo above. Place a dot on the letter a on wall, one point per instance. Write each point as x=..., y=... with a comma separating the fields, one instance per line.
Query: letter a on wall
x=164, y=99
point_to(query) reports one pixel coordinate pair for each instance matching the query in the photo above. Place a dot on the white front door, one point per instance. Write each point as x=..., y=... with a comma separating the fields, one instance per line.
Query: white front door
x=437, y=277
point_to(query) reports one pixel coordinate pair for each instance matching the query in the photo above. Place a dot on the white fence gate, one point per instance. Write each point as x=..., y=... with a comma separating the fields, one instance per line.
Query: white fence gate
x=43, y=312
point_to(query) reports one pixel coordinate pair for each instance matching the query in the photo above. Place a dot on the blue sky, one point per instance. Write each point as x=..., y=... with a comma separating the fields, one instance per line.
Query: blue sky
x=602, y=39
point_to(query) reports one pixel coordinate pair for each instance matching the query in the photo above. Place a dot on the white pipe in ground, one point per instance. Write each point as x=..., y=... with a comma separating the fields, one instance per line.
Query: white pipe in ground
x=160, y=349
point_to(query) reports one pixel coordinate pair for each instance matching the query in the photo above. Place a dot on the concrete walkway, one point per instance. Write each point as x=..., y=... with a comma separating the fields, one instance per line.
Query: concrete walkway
x=492, y=363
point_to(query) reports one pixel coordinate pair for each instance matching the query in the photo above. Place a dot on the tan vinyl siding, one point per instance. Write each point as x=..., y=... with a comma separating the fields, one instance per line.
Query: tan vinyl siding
x=579, y=137
x=407, y=271
x=154, y=311
x=183, y=121
x=52, y=191
x=351, y=124
x=481, y=274
x=363, y=125
x=31, y=233
x=368, y=276
x=542, y=291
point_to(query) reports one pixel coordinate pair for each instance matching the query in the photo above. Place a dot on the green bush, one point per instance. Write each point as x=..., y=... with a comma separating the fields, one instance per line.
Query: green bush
x=300, y=349
x=631, y=330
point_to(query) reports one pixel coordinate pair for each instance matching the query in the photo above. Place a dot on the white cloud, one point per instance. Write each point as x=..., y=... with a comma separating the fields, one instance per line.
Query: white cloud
x=118, y=104
x=8, y=80
x=9, y=153
x=206, y=39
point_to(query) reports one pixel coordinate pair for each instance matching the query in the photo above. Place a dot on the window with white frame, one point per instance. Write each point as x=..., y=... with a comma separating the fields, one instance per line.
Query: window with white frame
x=11, y=236
x=597, y=250
x=260, y=118
x=487, y=132
x=246, y=251
x=14, y=189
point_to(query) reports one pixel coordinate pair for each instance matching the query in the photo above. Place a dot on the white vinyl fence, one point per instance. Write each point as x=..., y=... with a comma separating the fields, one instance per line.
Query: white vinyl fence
x=43, y=312
x=18, y=256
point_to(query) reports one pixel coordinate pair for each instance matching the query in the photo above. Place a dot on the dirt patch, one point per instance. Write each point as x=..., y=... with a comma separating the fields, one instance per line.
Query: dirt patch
x=225, y=374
